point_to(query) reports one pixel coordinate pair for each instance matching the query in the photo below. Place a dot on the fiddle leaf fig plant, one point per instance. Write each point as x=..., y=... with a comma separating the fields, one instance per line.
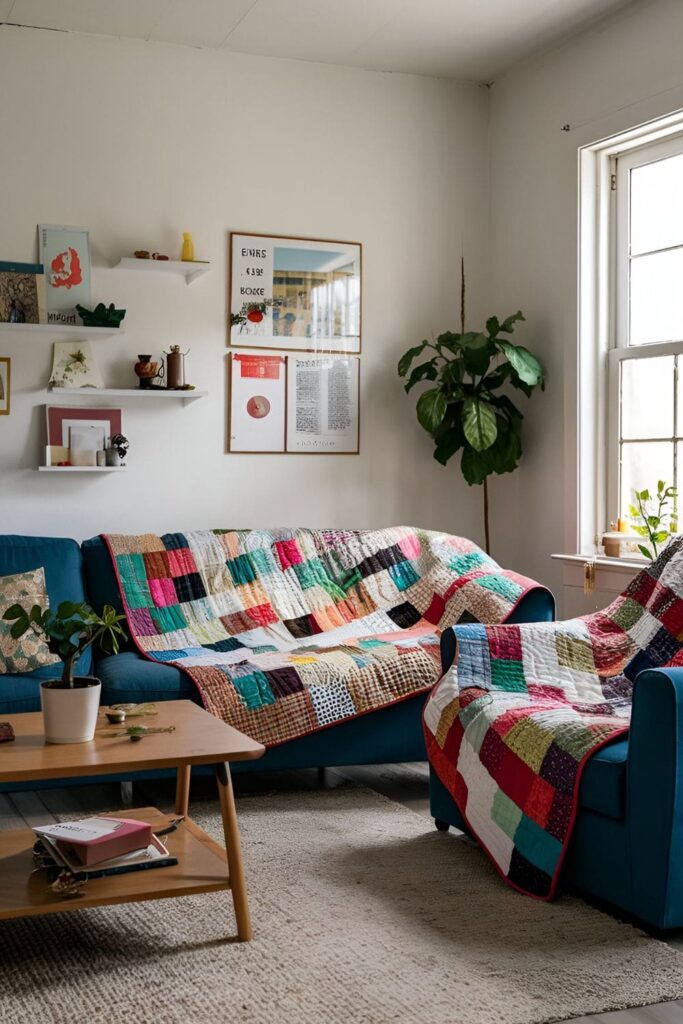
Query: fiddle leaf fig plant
x=468, y=408
x=69, y=631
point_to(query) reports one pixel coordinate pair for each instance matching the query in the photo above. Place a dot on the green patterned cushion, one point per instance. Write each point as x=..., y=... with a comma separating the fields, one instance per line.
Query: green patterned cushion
x=29, y=652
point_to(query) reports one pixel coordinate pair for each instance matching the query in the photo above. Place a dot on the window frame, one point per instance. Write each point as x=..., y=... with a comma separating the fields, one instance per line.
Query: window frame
x=604, y=168
x=619, y=349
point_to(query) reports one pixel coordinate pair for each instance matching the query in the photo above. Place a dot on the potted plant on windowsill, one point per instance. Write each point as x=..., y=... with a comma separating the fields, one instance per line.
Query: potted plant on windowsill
x=69, y=704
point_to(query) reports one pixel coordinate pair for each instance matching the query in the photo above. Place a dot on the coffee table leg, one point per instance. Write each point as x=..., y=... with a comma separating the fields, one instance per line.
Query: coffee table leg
x=182, y=789
x=234, y=851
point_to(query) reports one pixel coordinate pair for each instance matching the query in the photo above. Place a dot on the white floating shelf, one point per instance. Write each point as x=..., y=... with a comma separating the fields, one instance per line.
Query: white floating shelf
x=81, y=469
x=145, y=393
x=63, y=331
x=189, y=270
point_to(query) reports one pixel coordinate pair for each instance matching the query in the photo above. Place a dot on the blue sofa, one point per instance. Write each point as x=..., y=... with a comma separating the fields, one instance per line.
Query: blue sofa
x=627, y=845
x=85, y=572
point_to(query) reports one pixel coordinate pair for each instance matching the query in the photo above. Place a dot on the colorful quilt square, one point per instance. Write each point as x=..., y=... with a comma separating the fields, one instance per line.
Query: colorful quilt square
x=156, y=564
x=133, y=578
x=505, y=813
x=404, y=576
x=241, y=570
x=189, y=587
x=168, y=619
x=163, y=592
x=181, y=562
x=507, y=675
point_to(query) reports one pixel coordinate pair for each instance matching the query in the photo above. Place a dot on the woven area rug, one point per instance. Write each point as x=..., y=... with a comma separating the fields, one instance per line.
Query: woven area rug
x=363, y=914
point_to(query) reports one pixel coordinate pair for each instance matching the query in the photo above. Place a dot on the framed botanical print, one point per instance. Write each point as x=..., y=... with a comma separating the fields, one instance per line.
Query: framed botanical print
x=5, y=385
x=295, y=294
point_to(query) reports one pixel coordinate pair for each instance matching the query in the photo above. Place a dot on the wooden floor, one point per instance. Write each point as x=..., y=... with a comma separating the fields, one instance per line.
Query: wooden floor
x=407, y=784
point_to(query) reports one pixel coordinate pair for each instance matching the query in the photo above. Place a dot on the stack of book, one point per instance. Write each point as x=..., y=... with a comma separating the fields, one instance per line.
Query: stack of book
x=97, y=847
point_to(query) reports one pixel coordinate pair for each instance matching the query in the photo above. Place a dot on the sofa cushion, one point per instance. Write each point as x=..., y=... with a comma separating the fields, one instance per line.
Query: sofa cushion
x=29, y=651
x=603, y=784
x=61, y=560
x=130, y=678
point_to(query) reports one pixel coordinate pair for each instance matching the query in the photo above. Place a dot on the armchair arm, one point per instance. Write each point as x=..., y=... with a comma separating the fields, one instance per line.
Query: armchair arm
x=654, y=797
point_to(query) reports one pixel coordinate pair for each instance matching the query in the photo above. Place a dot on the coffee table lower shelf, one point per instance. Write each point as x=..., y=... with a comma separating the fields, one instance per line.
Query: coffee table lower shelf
x=202, y=867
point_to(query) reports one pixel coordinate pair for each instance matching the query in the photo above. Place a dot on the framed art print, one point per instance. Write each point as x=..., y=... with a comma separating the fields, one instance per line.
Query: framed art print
x=257, y=389
x=65, y=255
x=295, y=294
x=323, y=404
x=5, y=385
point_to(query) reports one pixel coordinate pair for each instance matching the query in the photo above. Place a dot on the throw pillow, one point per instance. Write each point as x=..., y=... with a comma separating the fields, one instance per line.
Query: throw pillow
x=30, y=651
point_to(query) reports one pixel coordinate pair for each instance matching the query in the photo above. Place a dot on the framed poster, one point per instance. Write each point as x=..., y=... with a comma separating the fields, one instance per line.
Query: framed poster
x=323, y=404
x=257, y=391
x=5, y=385
x=295, y=294
x=65, y=255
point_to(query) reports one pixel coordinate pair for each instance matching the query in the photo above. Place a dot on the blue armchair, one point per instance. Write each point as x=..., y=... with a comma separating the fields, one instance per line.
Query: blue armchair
x=627, y=845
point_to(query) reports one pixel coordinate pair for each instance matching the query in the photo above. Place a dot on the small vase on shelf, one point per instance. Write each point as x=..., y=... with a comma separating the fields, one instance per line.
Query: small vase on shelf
x=187, y=254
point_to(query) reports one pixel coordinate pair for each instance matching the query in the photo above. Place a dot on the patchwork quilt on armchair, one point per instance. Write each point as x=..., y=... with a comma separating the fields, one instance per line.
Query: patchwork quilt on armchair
x=285, y=632
x=512, y=723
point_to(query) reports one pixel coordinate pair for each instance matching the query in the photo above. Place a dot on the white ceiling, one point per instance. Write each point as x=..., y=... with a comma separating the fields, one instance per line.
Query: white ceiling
x=464, y=39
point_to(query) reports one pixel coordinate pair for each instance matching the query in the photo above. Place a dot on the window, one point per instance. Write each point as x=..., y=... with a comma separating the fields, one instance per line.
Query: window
x=645, y=379
x=630, y=368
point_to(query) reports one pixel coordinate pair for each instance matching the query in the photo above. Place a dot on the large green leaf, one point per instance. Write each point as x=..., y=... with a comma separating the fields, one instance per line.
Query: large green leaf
x=479, y=424
x=508, y=325
x=492, y=326
x=447, y=445
x=425, y=371
x=431, y=409
x=475, y=466
x=407, y=358
x=526, y=366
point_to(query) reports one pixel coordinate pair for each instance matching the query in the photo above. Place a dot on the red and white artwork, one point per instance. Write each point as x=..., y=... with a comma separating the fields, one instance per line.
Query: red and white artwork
x=65, y=255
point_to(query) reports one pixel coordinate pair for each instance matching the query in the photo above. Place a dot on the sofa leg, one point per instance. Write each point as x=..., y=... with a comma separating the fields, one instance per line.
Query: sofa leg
x=442, y=826
x=127, y=793
x=322, y=779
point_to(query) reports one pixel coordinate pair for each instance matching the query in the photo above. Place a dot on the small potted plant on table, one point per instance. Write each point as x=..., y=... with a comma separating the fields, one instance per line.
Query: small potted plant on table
x=69, y=704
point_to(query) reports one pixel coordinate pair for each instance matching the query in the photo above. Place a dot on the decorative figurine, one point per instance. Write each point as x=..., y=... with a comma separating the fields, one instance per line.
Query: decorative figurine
x=147, y=371
x=159, y=256
x=187, y=254
x=141, y=254
x=117, y=450
x=101, y=315
x=16, y=313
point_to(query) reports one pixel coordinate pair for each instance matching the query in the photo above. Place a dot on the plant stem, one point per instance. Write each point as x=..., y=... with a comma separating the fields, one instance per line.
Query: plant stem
x=486, y=516
x=68, y=671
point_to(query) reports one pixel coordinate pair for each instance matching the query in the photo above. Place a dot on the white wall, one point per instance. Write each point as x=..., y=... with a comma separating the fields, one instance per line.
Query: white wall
x=139, y=142
x=621, y=73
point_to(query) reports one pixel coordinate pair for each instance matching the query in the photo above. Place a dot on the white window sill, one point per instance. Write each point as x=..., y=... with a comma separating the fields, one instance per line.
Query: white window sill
x=625, y=565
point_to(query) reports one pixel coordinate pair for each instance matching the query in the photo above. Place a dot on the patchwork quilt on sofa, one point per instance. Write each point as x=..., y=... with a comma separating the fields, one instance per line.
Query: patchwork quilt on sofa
x=512, y=723
x=287, y=631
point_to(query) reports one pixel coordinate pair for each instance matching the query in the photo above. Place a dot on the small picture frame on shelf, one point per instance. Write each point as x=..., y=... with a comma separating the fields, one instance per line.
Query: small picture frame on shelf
x=89, y=429
x=5, y=385
x=74, y=366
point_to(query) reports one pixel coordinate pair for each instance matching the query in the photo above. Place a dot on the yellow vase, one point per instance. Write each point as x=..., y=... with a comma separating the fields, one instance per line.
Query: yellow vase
x=188, y=248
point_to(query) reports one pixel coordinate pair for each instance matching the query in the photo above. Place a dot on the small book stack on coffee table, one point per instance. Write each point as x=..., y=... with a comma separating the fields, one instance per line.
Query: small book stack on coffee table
x=203, y=865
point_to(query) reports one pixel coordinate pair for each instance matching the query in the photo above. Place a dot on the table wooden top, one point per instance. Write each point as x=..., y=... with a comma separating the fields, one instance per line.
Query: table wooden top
x=198, y=738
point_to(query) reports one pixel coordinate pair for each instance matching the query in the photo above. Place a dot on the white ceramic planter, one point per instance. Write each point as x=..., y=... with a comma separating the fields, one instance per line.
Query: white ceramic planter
x=70, y=714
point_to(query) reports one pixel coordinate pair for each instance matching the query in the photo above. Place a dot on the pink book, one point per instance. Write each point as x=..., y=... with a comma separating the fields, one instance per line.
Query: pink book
x=93, y=840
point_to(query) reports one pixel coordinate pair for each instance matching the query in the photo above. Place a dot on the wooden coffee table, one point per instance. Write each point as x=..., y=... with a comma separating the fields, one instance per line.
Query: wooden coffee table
x=203, y=865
